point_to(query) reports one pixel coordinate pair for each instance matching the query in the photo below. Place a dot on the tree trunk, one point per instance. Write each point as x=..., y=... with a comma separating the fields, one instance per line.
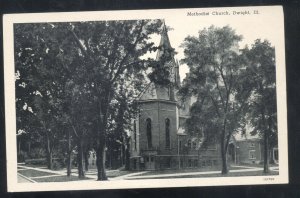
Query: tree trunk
x=86, y=160
x=101, y=137
x=29, y=147
x=127, y=154
x=266, y=142
x=69, y=164
x=100, y=152
x=224, y=158
x=69, y=155
x=121, y=163
x=266, y=152
x=224, y=149
x=110, y=158
x=49, y=160
x=49, y=154
x=19, y=147
x=80, y=158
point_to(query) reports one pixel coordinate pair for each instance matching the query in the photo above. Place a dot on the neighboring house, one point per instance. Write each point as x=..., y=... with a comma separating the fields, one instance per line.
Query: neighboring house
x=250, y=150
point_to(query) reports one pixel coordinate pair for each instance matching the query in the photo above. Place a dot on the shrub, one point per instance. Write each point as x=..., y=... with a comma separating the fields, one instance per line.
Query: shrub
x=22, y=156
x=37, y=153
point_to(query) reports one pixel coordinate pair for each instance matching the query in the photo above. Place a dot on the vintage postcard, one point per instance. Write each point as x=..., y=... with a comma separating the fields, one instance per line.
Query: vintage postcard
x=145, y=99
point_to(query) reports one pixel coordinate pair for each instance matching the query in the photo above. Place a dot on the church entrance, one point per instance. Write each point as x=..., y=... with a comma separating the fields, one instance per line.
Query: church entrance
x=149, y=162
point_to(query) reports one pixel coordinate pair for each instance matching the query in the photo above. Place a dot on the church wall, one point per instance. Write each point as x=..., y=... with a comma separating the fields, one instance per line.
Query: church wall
x=168, y=110
x=135, y=149
x=148, y=110
x=158, y=112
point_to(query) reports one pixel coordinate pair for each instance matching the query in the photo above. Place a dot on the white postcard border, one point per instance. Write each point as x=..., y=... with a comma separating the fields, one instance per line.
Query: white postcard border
x=10, y=111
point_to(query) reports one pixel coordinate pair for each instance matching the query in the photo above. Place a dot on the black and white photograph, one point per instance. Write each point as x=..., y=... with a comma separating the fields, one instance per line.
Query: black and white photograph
x=145, y=98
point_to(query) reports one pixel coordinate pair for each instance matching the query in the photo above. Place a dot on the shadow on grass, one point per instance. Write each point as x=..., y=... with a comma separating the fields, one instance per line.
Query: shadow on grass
x=34, y=173
x=60, y=179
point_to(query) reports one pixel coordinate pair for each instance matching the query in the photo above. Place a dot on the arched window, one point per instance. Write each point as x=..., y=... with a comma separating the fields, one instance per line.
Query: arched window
x=167, y=122
x=149, y=132
x=134, y=135
x=189, y=144
x=180, y=145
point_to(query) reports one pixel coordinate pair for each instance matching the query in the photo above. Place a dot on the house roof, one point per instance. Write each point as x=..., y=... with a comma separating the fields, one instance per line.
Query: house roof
x=244, y=137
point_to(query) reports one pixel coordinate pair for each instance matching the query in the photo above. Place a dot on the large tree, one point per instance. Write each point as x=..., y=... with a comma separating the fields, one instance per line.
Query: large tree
x=261, y=81
x=214, y=63
x=112, y=53
x=40, y=90
x=76, y=70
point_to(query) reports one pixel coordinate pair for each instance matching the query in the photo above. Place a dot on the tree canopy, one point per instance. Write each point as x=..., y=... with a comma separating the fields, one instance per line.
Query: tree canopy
x=231, y=86
x=71, y=74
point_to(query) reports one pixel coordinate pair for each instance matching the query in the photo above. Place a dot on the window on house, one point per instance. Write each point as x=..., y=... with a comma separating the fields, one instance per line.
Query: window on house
x=195, y=163
x=251, y=144
x=212, y=144
x=252, y=154
x=134, y=164
x=149, y=132
x=134, y=134
x=168, y=163
x=215, y=162
x=190, y=163
x=167, y=123
x=151, y=159
x=209, y=163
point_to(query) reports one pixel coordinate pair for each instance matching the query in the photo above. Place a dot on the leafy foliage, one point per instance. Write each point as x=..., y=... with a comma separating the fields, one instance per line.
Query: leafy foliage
x=215, y=73
x=80, y=76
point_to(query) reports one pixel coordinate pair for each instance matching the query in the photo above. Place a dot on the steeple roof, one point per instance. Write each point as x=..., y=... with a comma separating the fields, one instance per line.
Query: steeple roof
x=164, y=43
x=155, y=91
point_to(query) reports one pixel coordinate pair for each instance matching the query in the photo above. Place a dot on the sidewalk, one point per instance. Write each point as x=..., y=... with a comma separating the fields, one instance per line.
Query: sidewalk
x=41, y=174
x=246, y=169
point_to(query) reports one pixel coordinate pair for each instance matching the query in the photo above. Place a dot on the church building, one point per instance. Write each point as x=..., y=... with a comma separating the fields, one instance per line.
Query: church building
x=159, y=140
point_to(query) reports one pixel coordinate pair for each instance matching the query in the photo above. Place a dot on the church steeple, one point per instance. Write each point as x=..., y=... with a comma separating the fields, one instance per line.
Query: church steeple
x=165, y=55
x=164, y=44
x=165, y=58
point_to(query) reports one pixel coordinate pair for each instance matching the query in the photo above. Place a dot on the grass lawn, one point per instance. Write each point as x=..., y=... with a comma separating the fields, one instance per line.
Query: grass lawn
x=117, y=173
x=60, y=178
x=189, y=170
x=33, y=173
x=239, y=174
x=257, y=165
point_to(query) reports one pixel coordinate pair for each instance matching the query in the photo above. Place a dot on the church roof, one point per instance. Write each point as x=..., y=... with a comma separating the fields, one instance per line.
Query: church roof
x=247, y=135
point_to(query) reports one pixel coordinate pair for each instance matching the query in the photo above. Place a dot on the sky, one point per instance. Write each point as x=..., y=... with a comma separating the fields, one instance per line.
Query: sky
x=251, y=27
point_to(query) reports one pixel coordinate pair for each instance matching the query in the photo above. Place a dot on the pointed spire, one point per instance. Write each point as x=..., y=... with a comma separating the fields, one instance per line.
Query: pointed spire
x=164, y=41
x=177, y=75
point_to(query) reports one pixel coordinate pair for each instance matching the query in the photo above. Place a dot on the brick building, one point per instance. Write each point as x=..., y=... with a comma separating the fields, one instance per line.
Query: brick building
x=158, y=140
x=250, y=150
